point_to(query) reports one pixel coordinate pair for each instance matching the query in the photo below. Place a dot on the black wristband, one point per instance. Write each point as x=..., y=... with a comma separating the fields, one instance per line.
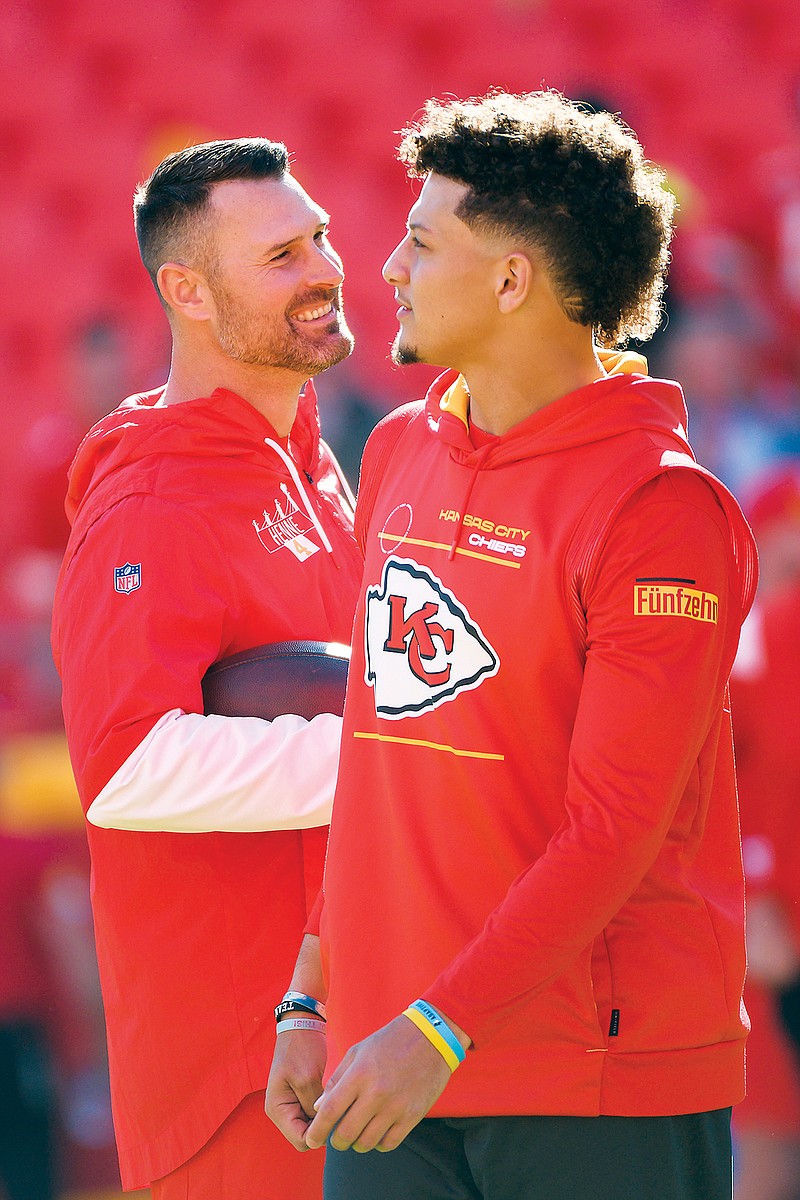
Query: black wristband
x=298, y=1002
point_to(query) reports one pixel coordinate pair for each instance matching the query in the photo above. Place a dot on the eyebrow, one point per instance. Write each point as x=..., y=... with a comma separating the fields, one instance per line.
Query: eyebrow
x=412, y=225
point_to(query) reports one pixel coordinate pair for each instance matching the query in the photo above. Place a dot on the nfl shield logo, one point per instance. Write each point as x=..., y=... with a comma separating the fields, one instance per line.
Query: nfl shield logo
x=128, y=578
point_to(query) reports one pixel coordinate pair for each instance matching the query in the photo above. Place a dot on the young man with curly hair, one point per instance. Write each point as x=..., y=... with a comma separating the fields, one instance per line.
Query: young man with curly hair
x=531, y=943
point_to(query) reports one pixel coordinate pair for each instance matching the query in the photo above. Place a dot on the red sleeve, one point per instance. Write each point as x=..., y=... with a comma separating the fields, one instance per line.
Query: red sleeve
x=312, y=924
x=652, y=694
x=151, y=662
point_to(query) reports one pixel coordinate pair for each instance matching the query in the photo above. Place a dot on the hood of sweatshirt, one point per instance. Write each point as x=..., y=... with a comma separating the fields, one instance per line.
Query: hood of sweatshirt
x=220, y=425
x=623, y=398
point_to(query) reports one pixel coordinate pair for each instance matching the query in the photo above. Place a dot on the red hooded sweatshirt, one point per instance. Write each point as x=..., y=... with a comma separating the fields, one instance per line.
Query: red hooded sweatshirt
x=535, y=825
x=196, y=534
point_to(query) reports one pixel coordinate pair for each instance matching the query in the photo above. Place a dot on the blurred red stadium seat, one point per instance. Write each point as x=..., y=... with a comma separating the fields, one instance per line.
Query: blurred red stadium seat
x=97, y=93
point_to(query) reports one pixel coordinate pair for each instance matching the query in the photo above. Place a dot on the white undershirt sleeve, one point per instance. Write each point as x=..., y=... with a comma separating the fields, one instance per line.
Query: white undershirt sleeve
x=199, y=774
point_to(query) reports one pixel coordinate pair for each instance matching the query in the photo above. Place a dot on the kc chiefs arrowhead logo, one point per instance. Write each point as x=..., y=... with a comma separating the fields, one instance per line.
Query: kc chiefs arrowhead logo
x=422, y=646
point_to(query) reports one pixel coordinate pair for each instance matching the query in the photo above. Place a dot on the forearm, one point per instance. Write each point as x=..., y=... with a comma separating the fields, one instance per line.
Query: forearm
x=307, y=974
x=196, y=774
x=295, y=1081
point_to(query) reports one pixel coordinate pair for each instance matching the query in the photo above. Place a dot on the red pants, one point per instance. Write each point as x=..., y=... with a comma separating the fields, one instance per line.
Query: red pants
x=246, y=1159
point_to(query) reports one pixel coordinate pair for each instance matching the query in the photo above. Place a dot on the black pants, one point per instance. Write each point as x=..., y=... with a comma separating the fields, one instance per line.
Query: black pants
x=544, y=1158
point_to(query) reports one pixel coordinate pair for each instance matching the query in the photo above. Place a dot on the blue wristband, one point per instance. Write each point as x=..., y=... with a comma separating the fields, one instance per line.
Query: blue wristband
x=441, y=1027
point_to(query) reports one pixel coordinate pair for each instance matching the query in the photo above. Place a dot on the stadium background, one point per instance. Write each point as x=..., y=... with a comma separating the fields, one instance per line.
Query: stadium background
x=95, y=94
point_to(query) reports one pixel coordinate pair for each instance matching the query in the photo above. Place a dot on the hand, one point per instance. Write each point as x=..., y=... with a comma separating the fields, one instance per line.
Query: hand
x=295, y=1082
x=381, y=1089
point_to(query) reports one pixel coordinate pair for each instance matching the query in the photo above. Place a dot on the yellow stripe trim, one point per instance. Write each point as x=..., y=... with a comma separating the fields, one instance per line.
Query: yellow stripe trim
x=380, y=737
x=500, y=562
x=433, y=1036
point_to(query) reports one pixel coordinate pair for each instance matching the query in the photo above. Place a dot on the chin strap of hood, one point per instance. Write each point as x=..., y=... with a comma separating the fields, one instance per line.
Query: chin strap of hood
x=298, y=483
x=476, y=470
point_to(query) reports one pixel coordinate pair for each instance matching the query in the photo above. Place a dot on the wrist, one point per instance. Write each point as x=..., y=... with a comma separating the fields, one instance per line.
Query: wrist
x=306, y=1023
x=300, y=1003
x=457, y=1031
x=451, y=1043
x=463, y=1037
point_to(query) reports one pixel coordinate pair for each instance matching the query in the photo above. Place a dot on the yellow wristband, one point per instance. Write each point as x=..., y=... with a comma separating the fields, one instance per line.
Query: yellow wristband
x=434, y=1037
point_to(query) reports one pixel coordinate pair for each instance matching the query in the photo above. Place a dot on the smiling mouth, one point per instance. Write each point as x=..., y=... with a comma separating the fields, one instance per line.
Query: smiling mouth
x=314, y=314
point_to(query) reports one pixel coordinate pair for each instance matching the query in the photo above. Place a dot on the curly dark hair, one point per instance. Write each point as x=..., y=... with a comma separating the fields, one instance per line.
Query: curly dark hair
x=169, y=206
x=571, y=182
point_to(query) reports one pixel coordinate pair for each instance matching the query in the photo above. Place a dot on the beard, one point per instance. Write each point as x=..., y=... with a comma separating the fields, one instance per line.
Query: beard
x=266, y=340
x=404, y=356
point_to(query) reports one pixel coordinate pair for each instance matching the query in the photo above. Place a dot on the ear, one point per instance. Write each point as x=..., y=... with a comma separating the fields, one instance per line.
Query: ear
x=184, y=290
x=514, y=280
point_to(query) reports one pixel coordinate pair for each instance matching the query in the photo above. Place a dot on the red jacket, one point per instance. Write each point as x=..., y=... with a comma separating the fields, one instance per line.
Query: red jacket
x=536, y=757
x=192, y=540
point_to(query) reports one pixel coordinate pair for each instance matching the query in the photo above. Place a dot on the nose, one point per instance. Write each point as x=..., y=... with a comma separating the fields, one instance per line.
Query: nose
x=329, y=266
x=394, y=269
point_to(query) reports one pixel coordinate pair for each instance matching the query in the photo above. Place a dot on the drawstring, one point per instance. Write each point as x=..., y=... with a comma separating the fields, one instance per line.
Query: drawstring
x=483, y=454
x=298, y=483
x=345, y=486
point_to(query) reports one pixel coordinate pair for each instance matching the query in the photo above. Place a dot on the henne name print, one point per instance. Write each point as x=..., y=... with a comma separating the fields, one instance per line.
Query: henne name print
x=286, y=527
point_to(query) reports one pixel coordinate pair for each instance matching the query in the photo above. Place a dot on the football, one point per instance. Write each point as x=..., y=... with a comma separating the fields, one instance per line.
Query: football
x=300, y=677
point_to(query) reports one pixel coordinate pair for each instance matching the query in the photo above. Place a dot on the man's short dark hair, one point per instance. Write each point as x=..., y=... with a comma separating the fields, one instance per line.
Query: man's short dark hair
x=169, y=206
x=572, y=183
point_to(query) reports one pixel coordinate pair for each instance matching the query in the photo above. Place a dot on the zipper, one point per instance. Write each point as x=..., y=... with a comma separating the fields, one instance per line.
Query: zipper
x=480, y=460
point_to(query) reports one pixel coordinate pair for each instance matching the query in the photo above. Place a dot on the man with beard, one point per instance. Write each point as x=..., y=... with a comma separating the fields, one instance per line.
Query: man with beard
x=207, y=517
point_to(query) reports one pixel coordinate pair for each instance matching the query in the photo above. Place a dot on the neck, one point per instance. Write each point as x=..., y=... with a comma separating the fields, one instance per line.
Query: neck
x=272, y=391
x=518, y=383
